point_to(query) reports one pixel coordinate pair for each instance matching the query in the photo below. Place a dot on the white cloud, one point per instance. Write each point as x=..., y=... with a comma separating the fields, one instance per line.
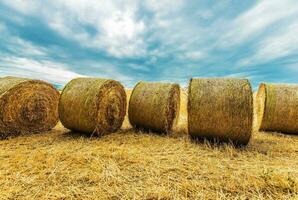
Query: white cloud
x=258, y=19
x=20, y=46
x=2, y=27
x=103, y=69
x=142, y=68
x=46, y=70
x=122, y=35
x=293, y=67
x=117, y=29
x=164, y=7
x=194, y=55
x=68, y=28
x=283, y=43
x=239, y=75
x=23, y=6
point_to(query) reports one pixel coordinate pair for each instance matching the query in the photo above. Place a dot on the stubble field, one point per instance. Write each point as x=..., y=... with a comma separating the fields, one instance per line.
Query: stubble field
x=129, y=164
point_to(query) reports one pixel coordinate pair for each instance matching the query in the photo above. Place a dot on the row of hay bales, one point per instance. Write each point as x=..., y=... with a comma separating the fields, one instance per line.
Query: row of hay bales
x=218, y=108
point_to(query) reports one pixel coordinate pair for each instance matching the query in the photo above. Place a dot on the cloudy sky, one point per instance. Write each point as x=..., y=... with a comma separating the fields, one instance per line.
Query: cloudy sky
x=153, y=40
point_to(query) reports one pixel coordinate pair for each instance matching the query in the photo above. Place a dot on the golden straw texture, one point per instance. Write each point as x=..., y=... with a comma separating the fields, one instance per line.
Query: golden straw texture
x=221, y=109
x=154, y=106
x=27, y=106
x=277, y=106
x=130, y=164
x=93, y=105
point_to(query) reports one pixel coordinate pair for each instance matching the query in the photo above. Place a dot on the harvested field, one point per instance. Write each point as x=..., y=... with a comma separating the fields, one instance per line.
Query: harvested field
x=136, y=165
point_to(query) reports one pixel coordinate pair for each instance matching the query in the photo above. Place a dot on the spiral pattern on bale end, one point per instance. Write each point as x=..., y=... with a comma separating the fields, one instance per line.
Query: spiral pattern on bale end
x=93, y=105
x=220, y=109
x=154, y=106
x=27, y=106
x=277, y=108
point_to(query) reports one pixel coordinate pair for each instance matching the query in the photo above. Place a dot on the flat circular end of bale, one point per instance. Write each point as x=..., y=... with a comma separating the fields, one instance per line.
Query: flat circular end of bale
x=260, y=105
x=93, y=105
x=173, y=107
x=27, y=106
x=111, y=107
x=220, y=109
x=154, y=106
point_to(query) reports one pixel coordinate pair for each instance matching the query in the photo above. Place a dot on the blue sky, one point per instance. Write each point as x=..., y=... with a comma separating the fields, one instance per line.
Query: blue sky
x=152, y=40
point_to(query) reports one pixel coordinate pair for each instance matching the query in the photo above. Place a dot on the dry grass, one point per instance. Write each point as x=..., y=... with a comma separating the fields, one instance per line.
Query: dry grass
x=132, y=165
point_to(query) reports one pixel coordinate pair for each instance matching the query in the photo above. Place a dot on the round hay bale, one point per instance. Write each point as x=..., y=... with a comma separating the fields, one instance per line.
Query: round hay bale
x=27, y=106
x=154, y=106
x=220, y=109
x=93, y=105
x=277, y=108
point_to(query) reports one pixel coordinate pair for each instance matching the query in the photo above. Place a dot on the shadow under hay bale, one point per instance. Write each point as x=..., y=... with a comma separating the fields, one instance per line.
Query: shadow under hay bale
x=76, y=135
x=27, y=106
x=215, y=141
x=277, y=108
x=220, y=109
x=154, y=106
x=93, y=106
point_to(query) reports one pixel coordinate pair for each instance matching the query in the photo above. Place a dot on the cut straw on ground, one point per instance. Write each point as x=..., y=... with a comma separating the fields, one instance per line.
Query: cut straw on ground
x=130, y=164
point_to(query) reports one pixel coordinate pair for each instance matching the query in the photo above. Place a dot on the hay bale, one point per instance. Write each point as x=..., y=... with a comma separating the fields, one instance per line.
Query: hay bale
x=277, y=108
x=221, y=109
x=154, y=106
x=93, y=105
x=27, y=106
